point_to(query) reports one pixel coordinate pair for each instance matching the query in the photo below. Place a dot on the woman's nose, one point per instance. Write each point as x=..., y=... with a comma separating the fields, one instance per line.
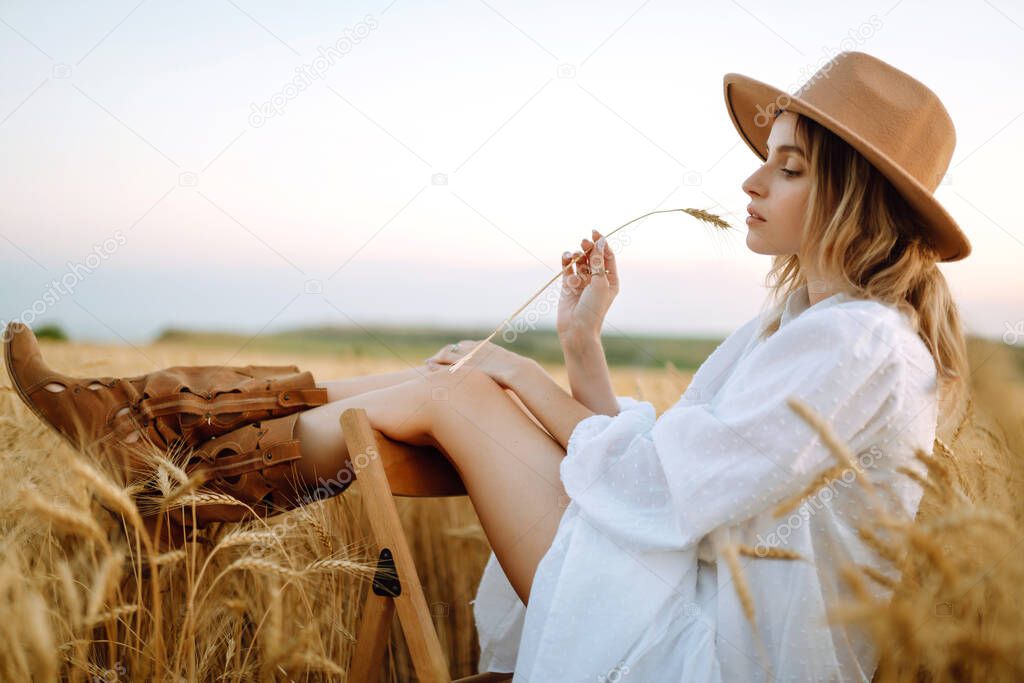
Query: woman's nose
x=752, y=185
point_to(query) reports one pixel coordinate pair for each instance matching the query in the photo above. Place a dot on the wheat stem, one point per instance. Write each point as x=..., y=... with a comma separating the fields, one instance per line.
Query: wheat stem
x=699, y=214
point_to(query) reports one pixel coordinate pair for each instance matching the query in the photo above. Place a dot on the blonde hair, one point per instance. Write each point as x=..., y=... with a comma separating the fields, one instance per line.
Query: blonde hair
x=869, y=243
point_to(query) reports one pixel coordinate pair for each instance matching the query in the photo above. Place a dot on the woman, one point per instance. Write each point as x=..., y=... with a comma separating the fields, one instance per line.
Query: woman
x=612, y=529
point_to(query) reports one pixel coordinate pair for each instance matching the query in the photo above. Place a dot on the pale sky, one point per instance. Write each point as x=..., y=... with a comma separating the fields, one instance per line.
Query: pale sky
x=435, y=165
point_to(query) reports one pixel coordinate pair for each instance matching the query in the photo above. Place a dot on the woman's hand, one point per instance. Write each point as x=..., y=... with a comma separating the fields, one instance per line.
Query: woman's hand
x=495, y=361
x=588, y=289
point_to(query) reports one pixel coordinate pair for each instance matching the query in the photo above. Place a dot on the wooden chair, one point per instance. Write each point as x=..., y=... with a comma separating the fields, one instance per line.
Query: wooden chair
x=387, y=468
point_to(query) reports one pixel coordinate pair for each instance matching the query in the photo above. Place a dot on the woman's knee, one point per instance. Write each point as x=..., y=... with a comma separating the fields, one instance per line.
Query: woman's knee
x=481, y=390
x=461, y=392
x=463, y=380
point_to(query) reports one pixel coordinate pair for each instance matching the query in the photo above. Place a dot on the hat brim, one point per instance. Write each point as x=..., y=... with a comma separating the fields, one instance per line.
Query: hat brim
x=751, y=102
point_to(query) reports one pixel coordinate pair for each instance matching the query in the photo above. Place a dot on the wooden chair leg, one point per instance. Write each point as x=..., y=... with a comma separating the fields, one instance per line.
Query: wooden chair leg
x=372, y=638
x=428, y=658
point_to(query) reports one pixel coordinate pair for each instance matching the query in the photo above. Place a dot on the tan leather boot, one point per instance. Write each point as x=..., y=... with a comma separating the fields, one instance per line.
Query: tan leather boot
x=254, y=464
x=180, y=406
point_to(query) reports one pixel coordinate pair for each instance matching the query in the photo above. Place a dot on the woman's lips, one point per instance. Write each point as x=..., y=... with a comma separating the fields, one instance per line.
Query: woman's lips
x=752, y=220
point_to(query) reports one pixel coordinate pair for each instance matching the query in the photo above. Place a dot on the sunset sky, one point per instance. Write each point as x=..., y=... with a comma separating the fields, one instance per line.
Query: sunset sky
x=438, y=157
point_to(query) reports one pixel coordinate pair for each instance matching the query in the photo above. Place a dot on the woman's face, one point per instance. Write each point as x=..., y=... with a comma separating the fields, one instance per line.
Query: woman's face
x=778, y=192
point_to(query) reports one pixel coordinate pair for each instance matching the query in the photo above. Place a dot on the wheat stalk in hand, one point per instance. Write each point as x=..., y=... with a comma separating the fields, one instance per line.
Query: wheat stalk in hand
x=699, y=214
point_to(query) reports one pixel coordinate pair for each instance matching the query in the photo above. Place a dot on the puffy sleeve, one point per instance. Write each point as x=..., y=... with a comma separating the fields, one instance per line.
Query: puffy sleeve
x=664, y=483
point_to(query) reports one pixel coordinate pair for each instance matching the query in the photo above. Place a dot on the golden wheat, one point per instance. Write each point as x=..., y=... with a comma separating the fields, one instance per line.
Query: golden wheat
x=65, y=518
x=945, y=605
x=769, y=553
x=739, y=581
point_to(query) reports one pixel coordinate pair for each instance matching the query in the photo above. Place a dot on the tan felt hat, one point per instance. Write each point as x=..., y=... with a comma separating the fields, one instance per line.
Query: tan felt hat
x=892, y=119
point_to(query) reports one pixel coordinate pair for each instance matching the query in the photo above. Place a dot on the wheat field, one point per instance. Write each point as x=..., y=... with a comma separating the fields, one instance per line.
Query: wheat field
x=85, y=596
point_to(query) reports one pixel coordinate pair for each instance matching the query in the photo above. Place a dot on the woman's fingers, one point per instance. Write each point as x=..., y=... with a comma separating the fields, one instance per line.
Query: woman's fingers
x=582, y=269
x=582, y=261
x=570, y=280
x=588, y=248
x=610, y=265
x=594, y=259
x=566, y=259
x=448, y=355
x=597, y=261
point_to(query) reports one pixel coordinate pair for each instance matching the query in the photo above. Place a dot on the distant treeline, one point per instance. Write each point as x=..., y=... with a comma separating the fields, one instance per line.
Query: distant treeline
x=413, y=344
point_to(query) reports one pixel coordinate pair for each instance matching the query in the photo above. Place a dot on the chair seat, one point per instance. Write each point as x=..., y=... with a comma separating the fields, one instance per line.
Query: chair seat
x=417, y=470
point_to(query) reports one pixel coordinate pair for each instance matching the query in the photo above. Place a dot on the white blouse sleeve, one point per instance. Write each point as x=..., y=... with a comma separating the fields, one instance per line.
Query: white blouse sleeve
x=665, y=483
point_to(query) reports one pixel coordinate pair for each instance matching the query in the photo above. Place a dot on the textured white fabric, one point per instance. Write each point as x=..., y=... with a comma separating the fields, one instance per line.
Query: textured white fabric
x=634, y=586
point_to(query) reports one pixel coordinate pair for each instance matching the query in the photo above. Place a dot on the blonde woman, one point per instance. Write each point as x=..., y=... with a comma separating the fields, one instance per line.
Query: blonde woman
x=614, y=530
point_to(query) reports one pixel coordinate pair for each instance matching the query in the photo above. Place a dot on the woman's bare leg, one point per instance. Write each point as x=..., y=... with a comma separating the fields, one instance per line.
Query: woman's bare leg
x=509, y=465
x=338, y=389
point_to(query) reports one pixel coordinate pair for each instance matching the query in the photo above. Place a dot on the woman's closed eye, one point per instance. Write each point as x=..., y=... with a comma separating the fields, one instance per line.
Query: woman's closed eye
x=785, y=171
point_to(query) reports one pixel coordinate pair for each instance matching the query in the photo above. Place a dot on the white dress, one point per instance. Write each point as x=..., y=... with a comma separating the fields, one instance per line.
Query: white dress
x=635, y=588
